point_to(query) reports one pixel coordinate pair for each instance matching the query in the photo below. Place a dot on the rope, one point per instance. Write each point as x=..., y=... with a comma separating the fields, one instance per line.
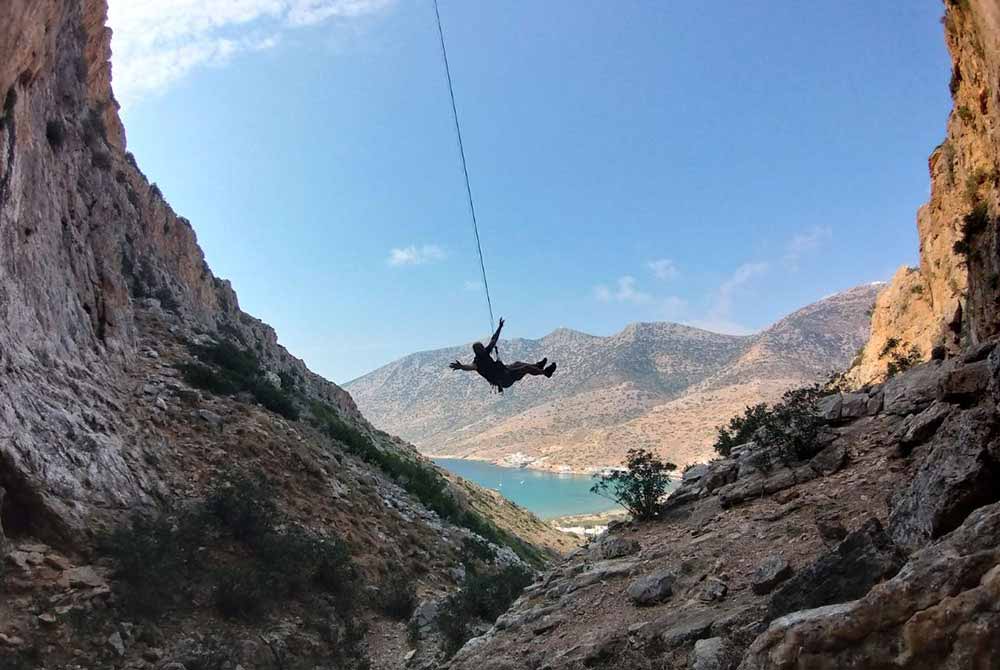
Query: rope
x=465, y=169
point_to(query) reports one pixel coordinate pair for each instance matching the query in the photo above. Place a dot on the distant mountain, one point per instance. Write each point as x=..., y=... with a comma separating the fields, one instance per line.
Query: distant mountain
x=661, y=386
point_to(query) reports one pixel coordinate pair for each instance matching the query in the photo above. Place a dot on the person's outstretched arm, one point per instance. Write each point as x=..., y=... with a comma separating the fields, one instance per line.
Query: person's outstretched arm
x=459, y=365
x=496, y=336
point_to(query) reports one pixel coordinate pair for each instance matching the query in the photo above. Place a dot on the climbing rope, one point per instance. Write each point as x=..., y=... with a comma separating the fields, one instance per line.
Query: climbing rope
x=465, y=169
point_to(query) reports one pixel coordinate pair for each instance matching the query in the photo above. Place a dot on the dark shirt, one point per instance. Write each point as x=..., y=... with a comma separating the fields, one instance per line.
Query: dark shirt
x=492, y=371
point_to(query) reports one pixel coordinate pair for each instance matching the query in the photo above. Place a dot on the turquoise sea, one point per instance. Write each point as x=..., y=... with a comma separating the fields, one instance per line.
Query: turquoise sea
x=547, y=494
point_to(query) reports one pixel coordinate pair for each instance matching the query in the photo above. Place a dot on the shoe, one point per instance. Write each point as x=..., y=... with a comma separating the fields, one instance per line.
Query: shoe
x=549, y=370
x=542, y=363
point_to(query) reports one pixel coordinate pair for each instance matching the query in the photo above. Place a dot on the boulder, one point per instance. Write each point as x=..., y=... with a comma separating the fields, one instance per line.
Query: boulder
x=613, y=546
x=423, y=620
x=939, y=612
x=600, y=572
x=652, y=589
x=770, y=573
x=979, y=352
x=965, y=383
x=854, y=405
x=875, y=402
x=918, y=428
x=865, y=557
x=721, y=473
x=273, y=379
x=683, y=495
x=830, y=527
x=116, y=643
x=829, y=407
x=912, y=391
x=761, y=484
x=82, y=577
x=712, y=590
x=695, y=472
x=714, y=653
x=690, y=628
x=830, y=460
x=957, y=474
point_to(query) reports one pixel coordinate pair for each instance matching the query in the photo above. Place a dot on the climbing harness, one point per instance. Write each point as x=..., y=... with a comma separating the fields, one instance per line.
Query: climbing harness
x=465, y=169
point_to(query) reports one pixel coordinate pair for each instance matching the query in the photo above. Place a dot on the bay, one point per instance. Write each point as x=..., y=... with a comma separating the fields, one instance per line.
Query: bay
x=547, y=494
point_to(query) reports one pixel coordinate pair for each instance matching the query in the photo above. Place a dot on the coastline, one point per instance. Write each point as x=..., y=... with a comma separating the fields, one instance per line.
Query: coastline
x=525, y=463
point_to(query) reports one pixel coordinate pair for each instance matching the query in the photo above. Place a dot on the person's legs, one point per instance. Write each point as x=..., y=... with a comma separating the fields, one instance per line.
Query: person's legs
x=521, y=368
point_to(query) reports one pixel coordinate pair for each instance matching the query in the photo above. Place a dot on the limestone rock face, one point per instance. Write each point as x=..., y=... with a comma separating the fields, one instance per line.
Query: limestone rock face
x=84, y=238
x=957, y=475
x=863, y=559
x=948, y=591
x=952, y=297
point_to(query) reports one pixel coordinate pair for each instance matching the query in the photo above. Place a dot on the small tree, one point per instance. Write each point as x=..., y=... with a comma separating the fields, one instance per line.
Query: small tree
x=792, y=426
x=900, y=360
x=640, y=487
x=740, y=429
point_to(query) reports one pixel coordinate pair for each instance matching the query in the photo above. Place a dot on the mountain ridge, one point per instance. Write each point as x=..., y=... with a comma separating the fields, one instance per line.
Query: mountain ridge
x=605, y=383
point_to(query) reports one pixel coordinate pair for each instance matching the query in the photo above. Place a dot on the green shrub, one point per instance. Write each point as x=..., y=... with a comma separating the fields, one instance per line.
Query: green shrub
x=397, y=597
x=161, y=561
x=640, y=487
x=792, y=426
x=899, y=360
x=965, y=113
x=476, y=550
x=740, y=429
x=974, y=224
x=484, y=597
x=787, y=431
x=208, y=379
x=275, y=399
x=420, y=480
x=154, y=556
x=243, y=505
x=225, y=369
x=239, y=593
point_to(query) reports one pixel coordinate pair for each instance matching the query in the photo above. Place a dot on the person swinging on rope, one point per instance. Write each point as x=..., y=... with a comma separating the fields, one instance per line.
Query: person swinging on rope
x=496, y=372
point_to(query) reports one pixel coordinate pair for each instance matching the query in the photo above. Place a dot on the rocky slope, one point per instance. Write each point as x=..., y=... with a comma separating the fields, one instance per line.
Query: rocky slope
x=107, y=303
x=878, y=552
x=951, y=298
x=658, y=386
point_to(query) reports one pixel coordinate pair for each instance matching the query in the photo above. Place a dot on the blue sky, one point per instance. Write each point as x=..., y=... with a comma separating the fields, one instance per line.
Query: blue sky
x=719, y=164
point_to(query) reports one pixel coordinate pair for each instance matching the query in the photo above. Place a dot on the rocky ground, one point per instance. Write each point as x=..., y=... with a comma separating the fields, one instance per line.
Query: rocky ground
x=59, y=606
x=879, y=552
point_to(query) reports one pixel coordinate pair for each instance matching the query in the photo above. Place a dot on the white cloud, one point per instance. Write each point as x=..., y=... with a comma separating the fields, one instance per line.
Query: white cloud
x=719, y=317
x=804, y=243
x=663, y=268
x=624, y=291
x=414, y=255
x=157, y=42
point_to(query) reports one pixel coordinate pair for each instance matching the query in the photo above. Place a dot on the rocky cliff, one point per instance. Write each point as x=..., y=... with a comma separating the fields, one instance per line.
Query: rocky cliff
x=951, y=298
x=658, y=386
x=131, y=380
